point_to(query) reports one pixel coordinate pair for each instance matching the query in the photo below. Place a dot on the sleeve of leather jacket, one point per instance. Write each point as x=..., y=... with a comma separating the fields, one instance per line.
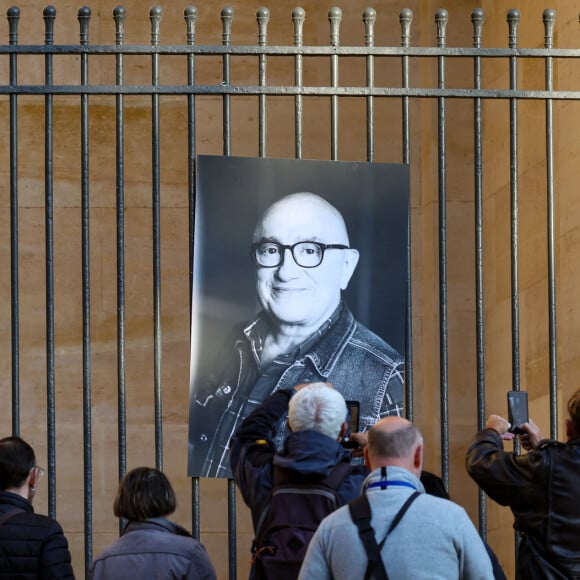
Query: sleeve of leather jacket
x=506, y=478
x=252, y=447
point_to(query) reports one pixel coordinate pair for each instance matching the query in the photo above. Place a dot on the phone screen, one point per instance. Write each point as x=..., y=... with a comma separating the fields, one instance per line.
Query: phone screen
x=517, y=409
x=353, y=408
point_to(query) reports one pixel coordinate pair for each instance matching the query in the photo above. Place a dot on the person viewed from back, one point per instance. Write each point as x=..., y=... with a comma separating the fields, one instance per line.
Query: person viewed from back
x=151, y=546
x=541, y=489
x=31, y=545
x=413, y=535
x=290, y=491
x=434, y=485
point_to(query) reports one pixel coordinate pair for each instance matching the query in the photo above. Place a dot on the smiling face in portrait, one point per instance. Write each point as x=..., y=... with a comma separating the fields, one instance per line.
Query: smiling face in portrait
x=289, y=293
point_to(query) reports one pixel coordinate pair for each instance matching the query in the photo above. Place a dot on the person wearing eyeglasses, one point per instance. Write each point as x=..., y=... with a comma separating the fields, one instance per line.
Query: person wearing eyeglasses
x=31, y=545
x=303, y=333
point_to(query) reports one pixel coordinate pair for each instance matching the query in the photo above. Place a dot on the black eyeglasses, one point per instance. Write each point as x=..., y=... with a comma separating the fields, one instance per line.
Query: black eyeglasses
x=305, y=254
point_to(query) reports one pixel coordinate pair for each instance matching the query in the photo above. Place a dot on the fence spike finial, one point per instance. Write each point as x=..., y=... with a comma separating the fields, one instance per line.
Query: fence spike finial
x=369, y=18
x=84, y=17
x=156, y=16
x=441, y=19
x=298, y=17
x=190, y=16
x=13, y=15
x=549, y=18
x=262, y=17
x=406, y=19
x=49, y=15
x=334, y=17
x=513, y=19
x=227, y=16
x=477, y=18
x=119, y=14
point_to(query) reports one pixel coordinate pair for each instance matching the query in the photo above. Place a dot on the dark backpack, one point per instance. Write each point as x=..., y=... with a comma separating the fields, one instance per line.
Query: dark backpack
x=292, y=514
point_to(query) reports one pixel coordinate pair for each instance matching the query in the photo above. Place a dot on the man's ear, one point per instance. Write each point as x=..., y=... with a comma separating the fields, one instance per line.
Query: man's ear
x=351, y=257
x=570, y=430
x=288, y=424
x=366, y=456
x=418, y=457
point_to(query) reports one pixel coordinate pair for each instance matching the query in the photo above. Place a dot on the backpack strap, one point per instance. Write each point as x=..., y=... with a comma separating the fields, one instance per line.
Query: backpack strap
x=360, y=513
x=5, y=517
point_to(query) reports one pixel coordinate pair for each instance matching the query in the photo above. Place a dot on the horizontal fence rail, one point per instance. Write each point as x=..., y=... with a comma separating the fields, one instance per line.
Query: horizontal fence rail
x=185, y=58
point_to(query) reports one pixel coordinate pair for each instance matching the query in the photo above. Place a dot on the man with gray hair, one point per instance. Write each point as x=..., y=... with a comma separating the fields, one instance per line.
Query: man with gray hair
x=407, y=533
x=312, y=456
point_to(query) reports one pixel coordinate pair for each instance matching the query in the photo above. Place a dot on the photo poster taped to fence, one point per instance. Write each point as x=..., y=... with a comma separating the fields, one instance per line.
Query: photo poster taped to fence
x=299, y=276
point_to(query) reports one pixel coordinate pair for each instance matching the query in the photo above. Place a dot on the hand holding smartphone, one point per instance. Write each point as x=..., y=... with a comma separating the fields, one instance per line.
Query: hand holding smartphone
x=517, y=410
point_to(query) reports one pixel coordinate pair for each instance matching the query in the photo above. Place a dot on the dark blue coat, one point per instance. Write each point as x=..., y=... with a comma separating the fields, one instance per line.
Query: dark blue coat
x=31, y=545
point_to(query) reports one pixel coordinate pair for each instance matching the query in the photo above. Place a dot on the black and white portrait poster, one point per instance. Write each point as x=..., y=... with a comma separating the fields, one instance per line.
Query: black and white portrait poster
x=300, y=275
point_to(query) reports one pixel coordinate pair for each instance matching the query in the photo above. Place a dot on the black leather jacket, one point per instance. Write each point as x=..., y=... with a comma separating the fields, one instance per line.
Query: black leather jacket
x=541, y=488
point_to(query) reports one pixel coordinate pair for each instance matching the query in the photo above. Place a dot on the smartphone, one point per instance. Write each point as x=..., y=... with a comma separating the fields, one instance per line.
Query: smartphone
x=517, y=410
x=353, y=413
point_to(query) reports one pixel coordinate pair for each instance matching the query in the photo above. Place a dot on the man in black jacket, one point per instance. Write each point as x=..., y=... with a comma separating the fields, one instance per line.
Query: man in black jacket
x=540, y=487
x=31, y=545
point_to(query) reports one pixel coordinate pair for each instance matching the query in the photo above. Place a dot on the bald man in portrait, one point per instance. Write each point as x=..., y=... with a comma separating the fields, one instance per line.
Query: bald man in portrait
x=303, y=333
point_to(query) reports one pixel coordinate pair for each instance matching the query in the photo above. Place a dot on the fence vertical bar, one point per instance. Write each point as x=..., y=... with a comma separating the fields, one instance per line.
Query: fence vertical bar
x=441, y=18
x=513, y=19
x=84, y=15
x=298, y=17
x=156, y=15
x=119, y=17
x=227, y=16
x=262, y=16
x=49, y=15
x=334, y=17
x=477, y=19
x=13, y=15
x=405, y=19
x=549, y=18
x=369, y=19
x=190, y=16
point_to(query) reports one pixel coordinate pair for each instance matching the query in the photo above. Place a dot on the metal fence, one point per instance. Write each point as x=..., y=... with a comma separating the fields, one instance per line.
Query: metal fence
x=236, y=84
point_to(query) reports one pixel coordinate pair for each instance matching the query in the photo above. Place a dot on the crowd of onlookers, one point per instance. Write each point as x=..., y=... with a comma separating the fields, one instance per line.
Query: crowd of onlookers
x=318, y=512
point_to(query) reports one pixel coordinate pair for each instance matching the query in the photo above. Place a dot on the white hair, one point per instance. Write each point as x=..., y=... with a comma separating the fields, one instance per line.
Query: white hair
x=317, y=407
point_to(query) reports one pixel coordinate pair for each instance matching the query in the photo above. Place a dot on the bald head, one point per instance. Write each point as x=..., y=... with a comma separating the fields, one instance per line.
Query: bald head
x=310, y=215
x=395, y=441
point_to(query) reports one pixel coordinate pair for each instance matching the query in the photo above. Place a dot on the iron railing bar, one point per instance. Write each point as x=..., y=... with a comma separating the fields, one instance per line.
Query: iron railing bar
x=13, y=20
x=369, y=19
x=441, y=18
x=233, y=90
x=262, y=16
x=334, y=16
x=298, y=17
x=190, y=15
x=119, y=17
x=84, y=15
x=405, y=19
x=155, y=15
x=227, y=16
x=49, y=15
x=549, y=18
x=477, y=18
x=513, y=21
x=281, y=50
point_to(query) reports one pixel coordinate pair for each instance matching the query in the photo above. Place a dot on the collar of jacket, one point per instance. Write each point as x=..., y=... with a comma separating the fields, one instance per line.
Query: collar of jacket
x=15, y=500
x=156, y=524
x=325, y=351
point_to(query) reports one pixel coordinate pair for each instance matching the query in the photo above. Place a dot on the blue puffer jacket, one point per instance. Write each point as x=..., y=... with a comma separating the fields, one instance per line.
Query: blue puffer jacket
x=32, y=546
